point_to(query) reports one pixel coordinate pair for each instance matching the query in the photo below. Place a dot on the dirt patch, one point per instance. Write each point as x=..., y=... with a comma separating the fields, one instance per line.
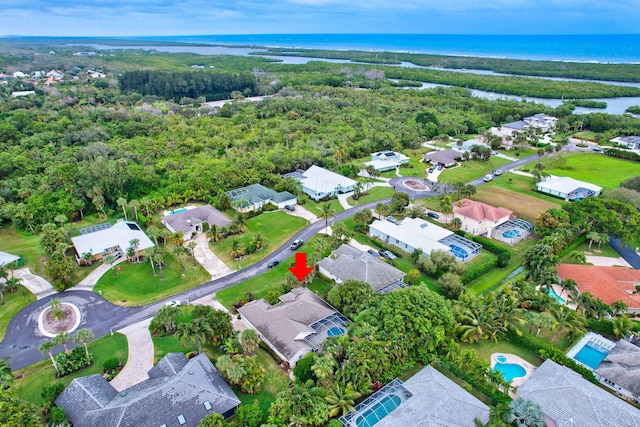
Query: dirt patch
x=415, y=185
x=54, y=325
x=523, y=206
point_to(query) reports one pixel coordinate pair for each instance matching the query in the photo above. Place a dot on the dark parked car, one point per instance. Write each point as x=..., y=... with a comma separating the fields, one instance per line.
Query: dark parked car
x=273, y=263
x=296, y=244
x=388, y=255
x=440, y=167
x=433, y=215
x=290, y=208
x=373, y=253
x=431, y=169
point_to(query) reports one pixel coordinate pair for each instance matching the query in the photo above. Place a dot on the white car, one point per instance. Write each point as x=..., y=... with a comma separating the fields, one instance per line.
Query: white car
x=174, y=303
x=487, y=178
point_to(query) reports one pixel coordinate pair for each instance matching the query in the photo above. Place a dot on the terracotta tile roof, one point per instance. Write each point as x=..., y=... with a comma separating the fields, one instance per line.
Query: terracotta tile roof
x=609, y=283
x=479, y=211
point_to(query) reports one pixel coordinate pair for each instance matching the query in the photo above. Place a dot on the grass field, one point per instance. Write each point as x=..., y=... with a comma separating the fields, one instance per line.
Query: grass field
x=599, y=169
x=473, y=169
x=13, y=303
x=484, y=349
x=275, y=226
x=25, y=245
x=36, y=376
x=605, y=251
x=373, y=194
x=314, y=207
x=136, y=285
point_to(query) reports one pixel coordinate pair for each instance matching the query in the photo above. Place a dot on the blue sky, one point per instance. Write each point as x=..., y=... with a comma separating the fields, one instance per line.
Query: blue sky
x=192, y=17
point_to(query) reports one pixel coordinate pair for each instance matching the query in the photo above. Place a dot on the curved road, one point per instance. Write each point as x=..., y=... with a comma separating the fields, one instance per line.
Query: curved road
x=23, y=337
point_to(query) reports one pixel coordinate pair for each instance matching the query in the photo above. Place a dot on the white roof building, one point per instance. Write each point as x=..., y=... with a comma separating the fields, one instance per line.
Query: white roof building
x=411, y=234
x=386, y=160
x=111, y=239
x=7, y=258
x=568, y=188
x=319, y=183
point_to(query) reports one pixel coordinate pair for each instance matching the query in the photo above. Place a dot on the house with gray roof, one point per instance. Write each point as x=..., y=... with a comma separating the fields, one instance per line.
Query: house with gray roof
x=178, y=393
x=571, y=401
x=426, y=399
x=190, y=220
x=443, y=157
x=349, y=263
x=630, y=142
x=620, y=370
x=296, y=325
x=253, y=197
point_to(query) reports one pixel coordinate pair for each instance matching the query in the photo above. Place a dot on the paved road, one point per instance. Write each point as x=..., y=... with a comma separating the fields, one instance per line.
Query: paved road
x=23, y=337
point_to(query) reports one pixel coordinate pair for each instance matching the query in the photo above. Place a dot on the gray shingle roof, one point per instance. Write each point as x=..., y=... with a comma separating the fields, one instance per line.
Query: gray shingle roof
x=257, y=193
x=286, y=324
x=622, y=366
x=353, y=264
x=183, y=221
x=572, y=401
x=436, y=401
x=446, y=157
x=92, y=402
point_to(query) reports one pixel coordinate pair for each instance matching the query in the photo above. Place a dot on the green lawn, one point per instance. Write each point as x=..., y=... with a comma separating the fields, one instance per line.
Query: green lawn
x=484, y=349
x=599, y=169
x=36, y=376
x=473, y=169
x=136, y=285
x=605, y=251
x=415, y=166
x=25, y=245
x=275, y=226
x=587, y=134
x=13, y=303
x=373, y=194
x=314, y=207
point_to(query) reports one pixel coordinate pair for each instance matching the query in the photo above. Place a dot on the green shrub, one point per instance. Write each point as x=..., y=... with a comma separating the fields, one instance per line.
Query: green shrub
x=478, y=271
x=490, y=245
x=50, y=393
x=250, y=415
x=72, y=362
x=603, y=326
x=110, y=364
x=57, y=417
x=303, y=371
x=503, y=259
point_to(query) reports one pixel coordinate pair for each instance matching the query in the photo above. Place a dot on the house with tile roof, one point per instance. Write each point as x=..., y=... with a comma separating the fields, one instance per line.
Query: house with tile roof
x=253, y=197
x=319, y=182
x=190, y=220
x=428, y=398
x=479, y=218
x=620, y=370
x=447, y=158
x=296, y=325
x=611, y=284
x=568, y=188
x=349, y=263
x=108, y=239
x=178, y=393
x=571, y=401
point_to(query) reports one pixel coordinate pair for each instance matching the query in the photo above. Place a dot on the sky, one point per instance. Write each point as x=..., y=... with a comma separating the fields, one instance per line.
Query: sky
x=201, y=17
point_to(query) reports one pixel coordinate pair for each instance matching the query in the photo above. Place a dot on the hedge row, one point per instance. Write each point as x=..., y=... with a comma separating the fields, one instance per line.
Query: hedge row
x=603, y=326
x=480, y=270
x=547, y=351
x=622, y=154
x=497, y=397
x=572, y=247
x=491, y=245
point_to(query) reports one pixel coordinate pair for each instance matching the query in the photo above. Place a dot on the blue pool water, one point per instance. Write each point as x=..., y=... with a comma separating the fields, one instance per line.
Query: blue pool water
x=177, y=211
x=555, y=296
x=510, y=370
x=459, y=252
x=509, y=234
x=381, y=409
x=335, y=331
x=590, y=356
x=501, y=359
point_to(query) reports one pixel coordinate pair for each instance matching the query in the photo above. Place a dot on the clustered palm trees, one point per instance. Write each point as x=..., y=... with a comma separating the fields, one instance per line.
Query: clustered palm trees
x=81, y=336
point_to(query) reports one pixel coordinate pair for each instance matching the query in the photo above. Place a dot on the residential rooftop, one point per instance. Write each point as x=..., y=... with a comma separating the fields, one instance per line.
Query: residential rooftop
x=479, y=211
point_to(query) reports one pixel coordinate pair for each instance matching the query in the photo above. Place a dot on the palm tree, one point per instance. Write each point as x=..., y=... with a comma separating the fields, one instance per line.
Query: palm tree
x=192, y=248
x=110, y=260
x=593, y=237
x=326, y=212
x=258, y=241
x=135, y=244
x=122, y=202
x=622, y=326
x=525, y=413
x=178, y=251
x=249, y=340
x=197, y=330
x=569, y=320
x=619, y=308
x=83, y=336
x=165, y=235
x=150, y=253
x=446, y=207
x=357, y=190
x=56, y=309
x=240, y=221
x=6, y=376
x=213, y=233
x=341, y=400
x=62, y=338
x=568, y=285
x=382, y=209
x=46, y=347
x=477, y=324
x=153, y=232
x=236, y=251
x=135, y=205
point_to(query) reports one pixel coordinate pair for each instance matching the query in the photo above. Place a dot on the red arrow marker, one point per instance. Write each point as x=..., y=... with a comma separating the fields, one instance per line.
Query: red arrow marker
x=300, y=269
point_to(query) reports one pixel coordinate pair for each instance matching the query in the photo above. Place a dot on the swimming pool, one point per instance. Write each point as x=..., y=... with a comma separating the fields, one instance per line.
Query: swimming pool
x=555, y=296
x=177, y=211
x=501, y=359
x=591, y=355
x=459, y=252
x=509, y=370
x=510, y=234
x=335, y=331
x=378, y=411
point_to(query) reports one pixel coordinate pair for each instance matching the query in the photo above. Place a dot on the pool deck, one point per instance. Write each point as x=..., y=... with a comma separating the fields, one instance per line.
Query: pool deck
x=593, y=337
x=512, y=358
x=565, y=296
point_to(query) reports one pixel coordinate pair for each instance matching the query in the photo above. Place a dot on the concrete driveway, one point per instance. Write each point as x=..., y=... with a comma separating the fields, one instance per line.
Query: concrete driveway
x=39, y=286
x=210, y=261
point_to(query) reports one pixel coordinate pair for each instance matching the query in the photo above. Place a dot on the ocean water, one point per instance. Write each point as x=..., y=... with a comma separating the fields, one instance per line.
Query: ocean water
x=617, y=48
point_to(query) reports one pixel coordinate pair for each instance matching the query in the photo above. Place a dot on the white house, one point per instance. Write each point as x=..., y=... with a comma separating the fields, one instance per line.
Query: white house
x=479, y=218
x=568, y=188
x=319, y=183
x=20, y=93
x=630, y=142
x=387, y=160
x=541, y=121
x=107, y=239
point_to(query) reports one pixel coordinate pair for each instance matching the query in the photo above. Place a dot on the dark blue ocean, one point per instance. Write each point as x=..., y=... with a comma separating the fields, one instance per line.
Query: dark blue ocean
x=583, y=48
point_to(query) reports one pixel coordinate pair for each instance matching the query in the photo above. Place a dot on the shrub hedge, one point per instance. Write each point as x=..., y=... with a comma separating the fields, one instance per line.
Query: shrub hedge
x=480, y=270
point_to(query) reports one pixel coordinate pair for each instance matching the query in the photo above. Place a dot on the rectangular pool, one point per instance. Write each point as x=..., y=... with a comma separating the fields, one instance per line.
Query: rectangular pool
x=590, y=355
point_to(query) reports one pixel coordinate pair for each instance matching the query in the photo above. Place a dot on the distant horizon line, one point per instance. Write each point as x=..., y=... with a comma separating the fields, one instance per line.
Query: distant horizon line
x=6, y=36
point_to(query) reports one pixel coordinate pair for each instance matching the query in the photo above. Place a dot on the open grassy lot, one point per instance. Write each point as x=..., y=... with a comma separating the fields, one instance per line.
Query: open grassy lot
x=136, y=285
x=415, y=167
x=314, y=207
x=484, y=349
x=373, y=194
x=587, y=134
x=596, y=168
x=473, y=169
x=24, y=244
x=13, y=303
x=275, y=226
x=36, y=376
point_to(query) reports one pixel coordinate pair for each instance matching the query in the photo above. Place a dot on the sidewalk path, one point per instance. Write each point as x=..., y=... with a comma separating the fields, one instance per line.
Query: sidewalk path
x=607, y=261
x=36, y=284
x=140, y=358
x=214, y=265
x=92, y=278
